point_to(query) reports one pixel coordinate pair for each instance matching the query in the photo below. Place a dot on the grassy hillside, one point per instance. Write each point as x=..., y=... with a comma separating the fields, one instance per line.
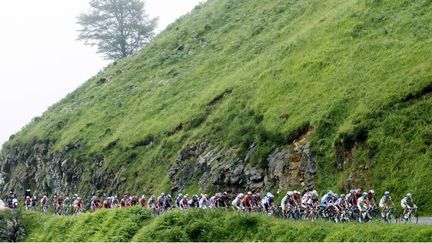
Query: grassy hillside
x=136, y=224
x=234, y=73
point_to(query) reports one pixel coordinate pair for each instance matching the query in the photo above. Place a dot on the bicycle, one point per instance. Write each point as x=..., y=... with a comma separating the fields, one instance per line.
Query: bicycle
x=387, y=214
x=408, y=216
x=44, y=209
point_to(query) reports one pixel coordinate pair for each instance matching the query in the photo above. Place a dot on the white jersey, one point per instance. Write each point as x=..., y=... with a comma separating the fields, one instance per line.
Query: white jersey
x=237, y=202
x=203, y=203
x=283, y=202
x=384, y=200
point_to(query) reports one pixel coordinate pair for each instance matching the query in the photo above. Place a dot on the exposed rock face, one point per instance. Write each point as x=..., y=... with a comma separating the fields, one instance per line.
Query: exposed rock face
x=10, y=228
x=218, y=169
x=39, y=168
x=214, y=168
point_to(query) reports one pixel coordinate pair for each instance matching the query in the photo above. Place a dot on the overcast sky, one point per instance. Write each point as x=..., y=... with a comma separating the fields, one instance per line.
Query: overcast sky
x=40, y=59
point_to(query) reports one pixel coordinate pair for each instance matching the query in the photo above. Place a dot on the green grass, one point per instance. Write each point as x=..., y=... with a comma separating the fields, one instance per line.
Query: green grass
x=116, y=225
x=136, y=224
x=342, y=66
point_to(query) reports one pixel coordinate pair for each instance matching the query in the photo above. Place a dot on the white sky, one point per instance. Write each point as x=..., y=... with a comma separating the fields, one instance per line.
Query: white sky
x=40, y=59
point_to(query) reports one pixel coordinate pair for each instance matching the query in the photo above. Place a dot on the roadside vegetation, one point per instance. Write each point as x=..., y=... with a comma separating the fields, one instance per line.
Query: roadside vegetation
x=137, y=224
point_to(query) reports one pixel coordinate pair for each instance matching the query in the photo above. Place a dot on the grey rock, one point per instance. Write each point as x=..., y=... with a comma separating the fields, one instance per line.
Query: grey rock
x=10, y=227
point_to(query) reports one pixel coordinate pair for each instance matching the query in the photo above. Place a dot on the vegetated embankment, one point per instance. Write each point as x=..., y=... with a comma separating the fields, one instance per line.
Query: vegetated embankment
x=138, y=224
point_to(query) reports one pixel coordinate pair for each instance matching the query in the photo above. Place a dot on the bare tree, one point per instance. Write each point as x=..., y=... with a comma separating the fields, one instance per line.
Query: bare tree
x=117, y=27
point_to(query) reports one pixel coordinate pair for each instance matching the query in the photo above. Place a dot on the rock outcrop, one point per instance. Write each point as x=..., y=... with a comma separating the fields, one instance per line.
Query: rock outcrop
x=216, y=169
x=44, y=170
x=10, y=227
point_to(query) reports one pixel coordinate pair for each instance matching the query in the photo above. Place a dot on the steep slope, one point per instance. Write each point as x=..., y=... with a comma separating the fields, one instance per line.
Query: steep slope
x=260, y=95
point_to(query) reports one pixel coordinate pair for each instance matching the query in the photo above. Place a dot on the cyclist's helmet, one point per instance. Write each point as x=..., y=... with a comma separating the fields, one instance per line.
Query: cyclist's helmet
x=365, y=194
x=409, y=195
x=372, y=192
x=387, y=193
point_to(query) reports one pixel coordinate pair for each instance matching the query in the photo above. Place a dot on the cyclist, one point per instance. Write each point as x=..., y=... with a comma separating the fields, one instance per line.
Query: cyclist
x=203, y=202
x=327, y=199
x=184, y=203
x=115, y=203
x=408, y=206
x=256, y=201
x=160, y=201
x=168, y=204
x=28, y=203
x=328, y=203
x=247, y=202
x=362, y=204
x=124, y=202
x=306, y=199
x=384, y=203
x=178, y=199
x=33, y=202
x=133, y=200
x=107, y=203
x=67, y=204
x=152, y=202
x=9, y=200
x=142, y=201
x=285, y=200
x=194, y=202
x=287, y=203
x=268, y=203
x=341, y=204
x=237, y=202
x=371, y=198
x=77, y=205
x=59, y=204
x=214, y=201
x=223, y=201
x=297, y=199
x=44, y=204
x=95, y=203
